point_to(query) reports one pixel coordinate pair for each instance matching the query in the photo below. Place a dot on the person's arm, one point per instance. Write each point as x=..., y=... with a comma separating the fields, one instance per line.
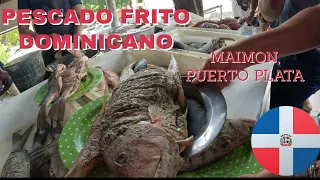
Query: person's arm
x=271, y=9
x=77, y=6
x=288, y=38
x=24, y=29
x=253, y=6
x=4, y=76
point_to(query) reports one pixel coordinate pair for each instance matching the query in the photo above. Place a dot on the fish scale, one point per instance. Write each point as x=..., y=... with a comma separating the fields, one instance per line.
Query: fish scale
x=17, y=164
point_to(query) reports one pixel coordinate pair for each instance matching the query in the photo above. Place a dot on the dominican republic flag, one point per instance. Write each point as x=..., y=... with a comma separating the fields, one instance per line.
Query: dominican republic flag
x=286, y=141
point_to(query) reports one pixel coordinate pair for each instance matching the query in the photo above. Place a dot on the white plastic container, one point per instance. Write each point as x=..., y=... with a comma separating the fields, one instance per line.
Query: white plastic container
x=200, y=36
x=21, y=111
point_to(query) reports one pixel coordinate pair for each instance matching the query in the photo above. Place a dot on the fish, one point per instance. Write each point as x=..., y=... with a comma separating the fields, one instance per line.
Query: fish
x=124, y=29
x=227, y=23
x=200, y=23
x=66, y=60
x=214, y=44
x=53, y=92
x=39, y=161
x=57, y=169
x=45, y=159
x=142, y=64
x=112, y=78
x=235, y=132
x=18, y=163
x=73, y=75
x=144, y=129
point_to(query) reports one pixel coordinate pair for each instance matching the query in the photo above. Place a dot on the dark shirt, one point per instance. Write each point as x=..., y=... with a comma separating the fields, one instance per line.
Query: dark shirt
x=1, y=65
x=46, y=5
x=309, y=60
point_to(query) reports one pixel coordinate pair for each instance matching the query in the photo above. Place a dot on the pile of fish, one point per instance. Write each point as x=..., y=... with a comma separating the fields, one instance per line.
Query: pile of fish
x=207, y=48
x=42, y=161
x=144, y=128
x=130, y=29
x=227, y=23
x=63, y=83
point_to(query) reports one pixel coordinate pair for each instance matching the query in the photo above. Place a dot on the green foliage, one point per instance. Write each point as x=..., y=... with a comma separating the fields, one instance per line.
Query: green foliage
x=96, y=5
x=10, y=38
x=4, y=54
x=13, y=37
x=123, y=3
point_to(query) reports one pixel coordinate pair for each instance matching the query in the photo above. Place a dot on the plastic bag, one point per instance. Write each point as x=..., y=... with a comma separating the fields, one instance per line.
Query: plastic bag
x=246, y=30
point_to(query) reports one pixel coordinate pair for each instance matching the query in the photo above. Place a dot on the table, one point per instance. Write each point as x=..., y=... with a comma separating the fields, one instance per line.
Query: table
x=21, y=111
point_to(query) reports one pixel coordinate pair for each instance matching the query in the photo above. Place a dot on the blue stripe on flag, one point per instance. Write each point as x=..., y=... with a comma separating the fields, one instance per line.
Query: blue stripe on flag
x=268, y=123
x=302, y=158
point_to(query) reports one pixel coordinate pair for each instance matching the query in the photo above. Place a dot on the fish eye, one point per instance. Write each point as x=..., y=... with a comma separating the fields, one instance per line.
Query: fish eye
x=122, y=158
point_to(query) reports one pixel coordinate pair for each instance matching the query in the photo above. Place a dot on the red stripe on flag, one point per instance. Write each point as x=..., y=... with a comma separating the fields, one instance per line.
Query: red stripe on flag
x=268, y=158
x=303, y=123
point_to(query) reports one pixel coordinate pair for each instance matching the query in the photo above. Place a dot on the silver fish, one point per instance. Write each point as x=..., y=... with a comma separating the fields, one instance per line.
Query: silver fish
x=214, y=44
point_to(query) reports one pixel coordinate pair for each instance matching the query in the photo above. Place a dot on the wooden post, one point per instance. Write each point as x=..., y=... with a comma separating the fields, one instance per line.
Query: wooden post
x=113, y=8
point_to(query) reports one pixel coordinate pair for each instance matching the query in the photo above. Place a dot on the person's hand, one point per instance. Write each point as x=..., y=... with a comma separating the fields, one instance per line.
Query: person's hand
x=208, y=65
x=4, y=77
x=264, y=26
x=242, y=20
x=250, y=18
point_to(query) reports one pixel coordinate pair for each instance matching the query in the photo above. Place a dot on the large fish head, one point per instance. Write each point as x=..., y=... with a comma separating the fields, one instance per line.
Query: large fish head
x=144, y=150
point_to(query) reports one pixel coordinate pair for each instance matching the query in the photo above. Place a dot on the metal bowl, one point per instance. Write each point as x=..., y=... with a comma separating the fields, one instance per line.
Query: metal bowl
x=204, y=128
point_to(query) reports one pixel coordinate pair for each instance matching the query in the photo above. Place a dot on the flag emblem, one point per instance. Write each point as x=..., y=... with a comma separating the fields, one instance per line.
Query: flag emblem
x=286, y=140
x=299, y=143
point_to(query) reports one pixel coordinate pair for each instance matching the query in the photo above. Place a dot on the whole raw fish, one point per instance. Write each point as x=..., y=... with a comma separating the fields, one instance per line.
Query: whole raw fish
x=18, y=162
x=214, y=44
x=53, y=92
x=71, y=79
x=234, y=133
x=145, y=127
x=45, y=159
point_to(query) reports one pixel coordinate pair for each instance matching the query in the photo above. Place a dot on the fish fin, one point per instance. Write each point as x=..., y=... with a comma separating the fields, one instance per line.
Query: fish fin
x=55, y=129
x=40, y=136
x=42, y=126
x=42, y=118
x=88, y=158
x=174, y=69
x=127, y=72
x=156, y=114
x=185, y=143
x=57, y=110
x=19, y=140
x=173, y=66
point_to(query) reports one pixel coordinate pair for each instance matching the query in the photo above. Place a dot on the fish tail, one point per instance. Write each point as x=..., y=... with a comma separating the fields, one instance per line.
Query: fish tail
x=55, y=129
x=19, y=140
x=42, y=118
x=57, y=110
x=42, y=125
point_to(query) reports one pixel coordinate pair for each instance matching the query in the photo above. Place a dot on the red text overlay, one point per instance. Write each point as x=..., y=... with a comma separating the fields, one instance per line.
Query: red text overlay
x=226, y=67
